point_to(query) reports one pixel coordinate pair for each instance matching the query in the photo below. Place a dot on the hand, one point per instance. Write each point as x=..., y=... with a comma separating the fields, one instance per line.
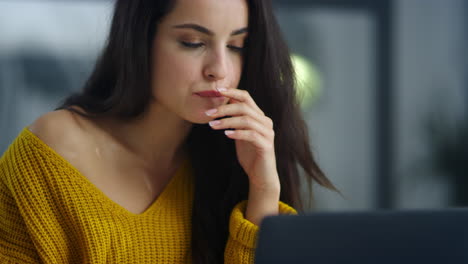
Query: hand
x=253, y=135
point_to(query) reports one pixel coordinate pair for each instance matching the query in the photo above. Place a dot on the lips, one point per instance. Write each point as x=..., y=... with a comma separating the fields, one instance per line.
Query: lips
x=210, y=93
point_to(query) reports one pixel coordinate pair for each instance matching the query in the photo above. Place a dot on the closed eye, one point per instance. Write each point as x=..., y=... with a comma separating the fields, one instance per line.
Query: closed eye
x=192, y=44
x=236, y=48
x=195, y=45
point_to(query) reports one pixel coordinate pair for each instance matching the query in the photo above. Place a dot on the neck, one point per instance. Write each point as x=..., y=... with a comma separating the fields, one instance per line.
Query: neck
x=157, y=137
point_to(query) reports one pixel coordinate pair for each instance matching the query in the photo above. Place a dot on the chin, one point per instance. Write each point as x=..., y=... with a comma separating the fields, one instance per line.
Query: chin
x=200, y=118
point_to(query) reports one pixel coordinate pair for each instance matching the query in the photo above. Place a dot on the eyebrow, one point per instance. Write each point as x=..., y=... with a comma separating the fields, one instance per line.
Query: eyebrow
x=208, y=32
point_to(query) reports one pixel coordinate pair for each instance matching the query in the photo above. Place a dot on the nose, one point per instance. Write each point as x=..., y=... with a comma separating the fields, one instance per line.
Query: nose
x=216, y=67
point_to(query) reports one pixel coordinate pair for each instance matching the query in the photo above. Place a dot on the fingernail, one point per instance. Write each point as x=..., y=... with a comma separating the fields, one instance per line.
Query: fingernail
x=228, y=132
x=222, y=89
x=214, y=123
x=211, y=112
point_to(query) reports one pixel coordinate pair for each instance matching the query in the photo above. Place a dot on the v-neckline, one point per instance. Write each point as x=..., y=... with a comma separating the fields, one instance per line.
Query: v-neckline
x=155, y=205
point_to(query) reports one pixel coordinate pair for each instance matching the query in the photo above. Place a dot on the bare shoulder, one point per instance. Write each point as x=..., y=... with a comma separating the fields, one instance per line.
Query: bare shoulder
x=58, y=129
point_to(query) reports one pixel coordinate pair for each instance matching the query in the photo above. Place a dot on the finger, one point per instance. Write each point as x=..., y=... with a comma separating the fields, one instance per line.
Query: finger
x=242, y=123
x=251, y=136
x=240, y=109
x=241, y=96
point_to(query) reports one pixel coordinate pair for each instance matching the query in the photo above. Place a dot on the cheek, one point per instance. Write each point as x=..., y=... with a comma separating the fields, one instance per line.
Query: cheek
x=233, y=66
x=236, y=73
x=170, y=65
x=172, y=72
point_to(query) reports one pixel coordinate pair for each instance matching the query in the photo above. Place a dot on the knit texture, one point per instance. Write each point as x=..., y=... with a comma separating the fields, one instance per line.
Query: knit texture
x=51, y=213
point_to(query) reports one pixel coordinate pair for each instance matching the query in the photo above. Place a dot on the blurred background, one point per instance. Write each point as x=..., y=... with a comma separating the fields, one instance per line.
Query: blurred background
x=383, y=86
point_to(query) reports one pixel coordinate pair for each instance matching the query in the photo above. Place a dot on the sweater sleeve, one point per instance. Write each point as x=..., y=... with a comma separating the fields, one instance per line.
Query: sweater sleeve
x=240, y=248
x=16, y=245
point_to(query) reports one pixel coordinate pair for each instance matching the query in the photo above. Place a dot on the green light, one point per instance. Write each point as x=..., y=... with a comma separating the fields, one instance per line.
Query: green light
x=308, y=82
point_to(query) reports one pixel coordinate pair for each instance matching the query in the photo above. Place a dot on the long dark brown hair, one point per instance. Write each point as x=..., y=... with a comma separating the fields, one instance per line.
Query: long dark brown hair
x=119, y=87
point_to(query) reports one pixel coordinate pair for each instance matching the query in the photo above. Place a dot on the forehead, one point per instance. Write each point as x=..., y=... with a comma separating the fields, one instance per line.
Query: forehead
x=218, y=15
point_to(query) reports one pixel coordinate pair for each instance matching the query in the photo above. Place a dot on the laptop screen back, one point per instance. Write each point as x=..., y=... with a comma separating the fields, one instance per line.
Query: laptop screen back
x=396, y=237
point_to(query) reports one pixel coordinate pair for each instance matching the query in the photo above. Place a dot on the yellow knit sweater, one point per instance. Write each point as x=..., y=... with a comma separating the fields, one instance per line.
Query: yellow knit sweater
x=51, y=213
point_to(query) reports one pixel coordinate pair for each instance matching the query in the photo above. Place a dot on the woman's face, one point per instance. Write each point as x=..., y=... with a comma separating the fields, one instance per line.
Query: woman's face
x=197, y=48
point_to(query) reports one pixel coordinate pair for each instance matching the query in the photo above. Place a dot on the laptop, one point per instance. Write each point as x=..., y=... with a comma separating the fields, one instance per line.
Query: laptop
x=376, y=237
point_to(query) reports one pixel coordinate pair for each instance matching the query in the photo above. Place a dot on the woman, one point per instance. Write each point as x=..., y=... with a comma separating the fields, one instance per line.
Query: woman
x=176, y=149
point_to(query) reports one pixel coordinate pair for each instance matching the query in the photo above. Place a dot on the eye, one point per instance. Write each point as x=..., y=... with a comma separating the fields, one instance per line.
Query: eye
x=192, y=45
x=236, y=48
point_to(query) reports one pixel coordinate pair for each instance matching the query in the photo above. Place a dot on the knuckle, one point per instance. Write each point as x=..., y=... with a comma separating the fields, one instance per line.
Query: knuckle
x=271, y=147
x=270, y=122
x=255, y=135
x=246, y=121
x=245, y=108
